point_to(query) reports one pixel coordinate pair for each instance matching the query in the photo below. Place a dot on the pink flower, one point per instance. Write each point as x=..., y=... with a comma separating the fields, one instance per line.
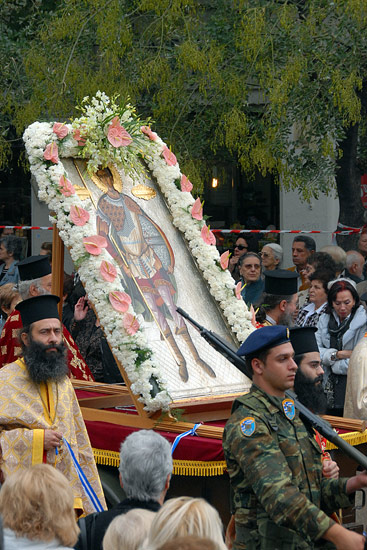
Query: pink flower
x=148, y=132
x=60, y=130
x=238, y=289
x=253, y=316
x=66, y=187
x=108, y=271
x=51, y=153
x=120, y=301
x=207, y=236
x=115, y=122
x=169, y=157
x=224, y=259
x=79, y=138
x=117, y=135
x=78, y=215
x=130, y=324
x=95, y=244
x=197, y=210
x=186, y=185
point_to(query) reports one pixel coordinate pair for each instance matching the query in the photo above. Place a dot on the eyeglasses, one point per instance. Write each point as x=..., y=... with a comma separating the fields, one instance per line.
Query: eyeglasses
x=241, y=247
x=265, y=254
x=251, y=266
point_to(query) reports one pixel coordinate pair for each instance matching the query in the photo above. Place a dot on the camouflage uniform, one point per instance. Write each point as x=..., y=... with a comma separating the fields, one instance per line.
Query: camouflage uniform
x=276, y=475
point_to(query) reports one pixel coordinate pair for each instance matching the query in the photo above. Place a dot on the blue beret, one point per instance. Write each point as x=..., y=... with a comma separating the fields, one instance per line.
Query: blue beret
x=264, y=338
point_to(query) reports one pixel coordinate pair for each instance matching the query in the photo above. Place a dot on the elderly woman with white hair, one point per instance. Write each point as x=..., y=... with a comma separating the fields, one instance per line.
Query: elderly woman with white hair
x=128, y=531
x=145, y=472
x=271, y=256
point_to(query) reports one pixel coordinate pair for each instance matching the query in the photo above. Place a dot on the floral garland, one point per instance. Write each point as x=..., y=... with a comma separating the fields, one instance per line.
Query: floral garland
x=108, y=134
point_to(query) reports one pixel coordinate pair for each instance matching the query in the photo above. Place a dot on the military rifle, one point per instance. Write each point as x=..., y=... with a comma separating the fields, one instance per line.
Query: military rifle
x=315, y=421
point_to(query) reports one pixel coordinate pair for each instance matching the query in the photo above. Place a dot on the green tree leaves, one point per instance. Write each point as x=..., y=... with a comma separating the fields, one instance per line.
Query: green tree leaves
x=270, y=85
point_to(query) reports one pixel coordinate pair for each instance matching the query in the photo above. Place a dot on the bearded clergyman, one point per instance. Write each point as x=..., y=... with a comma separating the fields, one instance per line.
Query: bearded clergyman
x=38, y=405
x=36, y=280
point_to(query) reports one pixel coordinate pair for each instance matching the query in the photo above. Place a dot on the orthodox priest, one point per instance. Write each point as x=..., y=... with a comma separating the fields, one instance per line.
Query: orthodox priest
x=35, y=279
x=38, y=406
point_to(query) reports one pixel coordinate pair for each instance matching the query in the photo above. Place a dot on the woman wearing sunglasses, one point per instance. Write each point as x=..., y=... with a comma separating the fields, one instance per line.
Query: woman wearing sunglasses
x=240, y=248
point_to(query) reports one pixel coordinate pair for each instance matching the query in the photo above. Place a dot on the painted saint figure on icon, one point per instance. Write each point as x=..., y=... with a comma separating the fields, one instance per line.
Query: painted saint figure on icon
x=147, y=263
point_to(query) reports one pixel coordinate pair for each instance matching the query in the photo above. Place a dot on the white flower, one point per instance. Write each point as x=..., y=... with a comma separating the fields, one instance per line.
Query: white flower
x=36, y=138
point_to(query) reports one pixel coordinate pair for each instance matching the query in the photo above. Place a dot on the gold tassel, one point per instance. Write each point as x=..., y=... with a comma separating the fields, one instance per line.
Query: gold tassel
x=353, y=438
x=199, y=468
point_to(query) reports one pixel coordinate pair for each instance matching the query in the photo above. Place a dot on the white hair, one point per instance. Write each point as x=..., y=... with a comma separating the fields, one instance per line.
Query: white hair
x=145, y=464
x=183, y=516
x=128, y=531
x=277, y=251
x=338, y=255
x=24, y=288
x=353, y=257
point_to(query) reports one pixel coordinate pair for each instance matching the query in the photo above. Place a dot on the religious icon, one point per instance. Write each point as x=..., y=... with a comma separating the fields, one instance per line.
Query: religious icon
x=147, y=264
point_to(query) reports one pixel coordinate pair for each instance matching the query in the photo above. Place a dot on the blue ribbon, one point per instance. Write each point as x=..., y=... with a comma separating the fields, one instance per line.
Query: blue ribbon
x=179, y=437
x=88, y=489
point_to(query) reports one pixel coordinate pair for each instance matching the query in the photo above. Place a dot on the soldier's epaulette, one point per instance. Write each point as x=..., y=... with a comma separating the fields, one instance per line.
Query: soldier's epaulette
x=272, y=421
x=250, y=402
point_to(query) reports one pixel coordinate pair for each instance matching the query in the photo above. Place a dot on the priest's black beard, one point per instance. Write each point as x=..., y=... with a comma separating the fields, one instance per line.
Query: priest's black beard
x=310, y=393
x=45, y=365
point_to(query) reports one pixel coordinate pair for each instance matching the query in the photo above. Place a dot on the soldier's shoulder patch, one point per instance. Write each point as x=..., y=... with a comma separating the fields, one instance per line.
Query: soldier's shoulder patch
x=248, y=426
x=289, y=409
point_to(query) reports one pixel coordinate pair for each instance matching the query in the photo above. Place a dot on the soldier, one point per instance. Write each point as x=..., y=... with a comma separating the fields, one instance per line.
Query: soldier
x=274, y=465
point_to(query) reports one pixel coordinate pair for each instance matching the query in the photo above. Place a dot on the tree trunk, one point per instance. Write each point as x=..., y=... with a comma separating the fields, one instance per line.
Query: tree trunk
x=348, y=182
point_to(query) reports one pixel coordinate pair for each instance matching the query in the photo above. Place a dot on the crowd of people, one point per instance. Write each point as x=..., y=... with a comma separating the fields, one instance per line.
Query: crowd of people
x=328, y=292
x=311, y=320
x=37, y=508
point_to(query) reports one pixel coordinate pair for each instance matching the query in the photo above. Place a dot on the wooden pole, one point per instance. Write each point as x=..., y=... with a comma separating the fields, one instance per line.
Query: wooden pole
x=57, y=267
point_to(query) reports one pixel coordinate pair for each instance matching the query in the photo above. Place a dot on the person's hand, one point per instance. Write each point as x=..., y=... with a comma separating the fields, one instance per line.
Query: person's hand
x=52, y=440
x=344, y=539
x=330, y=469
x=81, y=309
x=357, y=482
x=230, y=533
x=233, y=261
x=344, y=354
x=352, y=541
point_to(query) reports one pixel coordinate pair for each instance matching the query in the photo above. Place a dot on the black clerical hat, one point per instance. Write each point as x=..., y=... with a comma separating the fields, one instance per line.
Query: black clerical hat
x=34, y=267
x=303, y=340
x=37, y=308
x=281, y=282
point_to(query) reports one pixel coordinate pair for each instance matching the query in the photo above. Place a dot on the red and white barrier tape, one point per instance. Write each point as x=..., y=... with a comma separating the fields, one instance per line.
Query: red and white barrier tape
x=24, y=227
x=345, y=231
x=277, y=231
